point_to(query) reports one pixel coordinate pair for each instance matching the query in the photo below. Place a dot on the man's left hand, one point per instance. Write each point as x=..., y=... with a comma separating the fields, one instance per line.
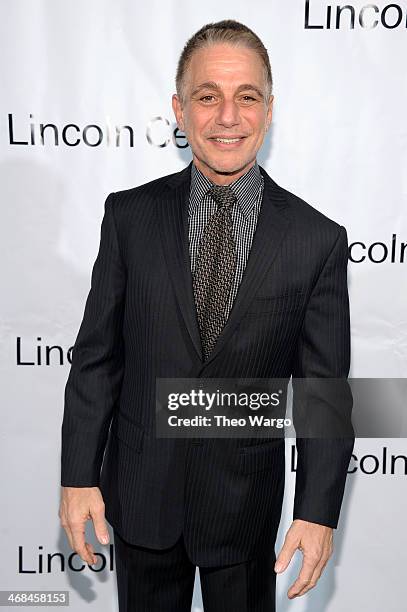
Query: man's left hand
x=316, y=544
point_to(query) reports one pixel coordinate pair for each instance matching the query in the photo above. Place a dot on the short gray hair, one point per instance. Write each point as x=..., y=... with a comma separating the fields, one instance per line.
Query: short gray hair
x=226, y=31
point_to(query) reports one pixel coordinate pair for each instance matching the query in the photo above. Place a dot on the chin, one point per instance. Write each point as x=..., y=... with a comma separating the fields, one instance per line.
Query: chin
x=225, y=165
x=228, y=167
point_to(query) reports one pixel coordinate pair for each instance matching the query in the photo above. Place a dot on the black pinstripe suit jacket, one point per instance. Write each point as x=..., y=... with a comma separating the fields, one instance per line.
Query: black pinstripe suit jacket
x=290, y=317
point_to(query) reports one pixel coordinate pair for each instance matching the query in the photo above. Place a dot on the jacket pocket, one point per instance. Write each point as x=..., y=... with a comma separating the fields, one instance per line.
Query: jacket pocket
x=128, y=432
x=261, y=457
x=277, y=303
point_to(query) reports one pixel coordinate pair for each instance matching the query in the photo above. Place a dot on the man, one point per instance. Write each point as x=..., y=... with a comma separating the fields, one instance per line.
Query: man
x=275, y=305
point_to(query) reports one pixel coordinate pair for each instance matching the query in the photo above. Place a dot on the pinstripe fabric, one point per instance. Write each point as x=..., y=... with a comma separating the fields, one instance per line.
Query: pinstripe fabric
x=290, y=317
x=153, y=581
x=163, y=581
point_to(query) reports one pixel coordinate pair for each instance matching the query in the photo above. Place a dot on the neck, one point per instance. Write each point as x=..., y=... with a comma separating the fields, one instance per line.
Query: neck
x=219, y=177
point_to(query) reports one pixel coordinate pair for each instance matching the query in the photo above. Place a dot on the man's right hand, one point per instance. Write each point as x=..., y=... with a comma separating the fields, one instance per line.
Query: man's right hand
x=79, y=504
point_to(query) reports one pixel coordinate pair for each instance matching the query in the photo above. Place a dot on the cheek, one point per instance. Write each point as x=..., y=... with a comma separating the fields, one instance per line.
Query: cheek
x=198, y=120
x=257, y=121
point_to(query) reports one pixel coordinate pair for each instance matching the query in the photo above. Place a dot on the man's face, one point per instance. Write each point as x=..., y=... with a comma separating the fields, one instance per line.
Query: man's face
x=224, y=99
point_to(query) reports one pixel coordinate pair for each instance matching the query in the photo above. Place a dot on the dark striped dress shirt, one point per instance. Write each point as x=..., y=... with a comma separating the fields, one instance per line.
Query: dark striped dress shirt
x=249, y=192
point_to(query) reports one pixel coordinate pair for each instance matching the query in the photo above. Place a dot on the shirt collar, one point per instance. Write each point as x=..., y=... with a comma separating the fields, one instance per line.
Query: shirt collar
x=246, y=188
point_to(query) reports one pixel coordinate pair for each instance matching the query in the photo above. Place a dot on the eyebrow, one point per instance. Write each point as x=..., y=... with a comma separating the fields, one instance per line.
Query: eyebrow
x=243, y=87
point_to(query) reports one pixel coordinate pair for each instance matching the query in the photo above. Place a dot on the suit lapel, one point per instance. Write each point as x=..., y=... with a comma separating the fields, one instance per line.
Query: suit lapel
x=272, y=225
x=271, y=229
x=174, y=235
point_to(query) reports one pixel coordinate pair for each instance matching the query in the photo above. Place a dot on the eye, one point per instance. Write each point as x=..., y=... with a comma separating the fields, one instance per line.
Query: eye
x=205, y=98
x=249, y=98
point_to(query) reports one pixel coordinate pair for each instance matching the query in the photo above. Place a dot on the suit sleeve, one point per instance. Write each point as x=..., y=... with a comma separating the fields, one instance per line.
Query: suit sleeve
x=324, y=352
x=96, y=373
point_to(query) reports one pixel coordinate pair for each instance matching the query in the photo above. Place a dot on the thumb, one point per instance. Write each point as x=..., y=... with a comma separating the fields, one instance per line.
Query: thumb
x=285, y=556
x=100, y=527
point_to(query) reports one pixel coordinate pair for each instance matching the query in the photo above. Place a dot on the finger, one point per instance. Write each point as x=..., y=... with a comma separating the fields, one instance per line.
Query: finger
x=309, y=563
x=91, y=551
x=99, y=522
x=314, y=579
x=286, y=554
x=65, y=525
x=69, y=535
x=79, y=545
x=317, y=574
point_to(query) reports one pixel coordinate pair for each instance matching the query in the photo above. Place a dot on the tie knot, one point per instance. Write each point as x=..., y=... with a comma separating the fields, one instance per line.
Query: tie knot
x=223, y=195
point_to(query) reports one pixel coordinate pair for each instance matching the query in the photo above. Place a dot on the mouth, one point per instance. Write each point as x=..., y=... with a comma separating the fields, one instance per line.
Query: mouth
x=227, y=142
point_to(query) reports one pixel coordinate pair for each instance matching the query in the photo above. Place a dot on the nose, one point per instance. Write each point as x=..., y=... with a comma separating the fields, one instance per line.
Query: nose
x=228, y=113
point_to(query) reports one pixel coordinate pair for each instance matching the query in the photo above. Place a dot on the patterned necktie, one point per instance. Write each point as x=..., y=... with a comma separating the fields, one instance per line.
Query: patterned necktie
x=215, y=268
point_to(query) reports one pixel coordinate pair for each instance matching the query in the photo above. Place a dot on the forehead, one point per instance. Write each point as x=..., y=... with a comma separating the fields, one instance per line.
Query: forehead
x=226, y=65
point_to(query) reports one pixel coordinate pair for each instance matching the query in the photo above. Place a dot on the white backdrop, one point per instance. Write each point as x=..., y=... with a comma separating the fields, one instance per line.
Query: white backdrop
x=338, y=140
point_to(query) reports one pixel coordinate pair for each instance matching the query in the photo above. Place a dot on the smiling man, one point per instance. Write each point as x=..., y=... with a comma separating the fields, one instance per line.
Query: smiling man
x=217, y=272
x=224, y=106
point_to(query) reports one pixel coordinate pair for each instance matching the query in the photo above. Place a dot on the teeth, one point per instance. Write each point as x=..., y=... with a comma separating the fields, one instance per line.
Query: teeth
x=228, y=140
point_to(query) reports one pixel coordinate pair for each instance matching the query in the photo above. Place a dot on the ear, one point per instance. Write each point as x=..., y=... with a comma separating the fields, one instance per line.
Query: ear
x=177, y=108
x=269, y=115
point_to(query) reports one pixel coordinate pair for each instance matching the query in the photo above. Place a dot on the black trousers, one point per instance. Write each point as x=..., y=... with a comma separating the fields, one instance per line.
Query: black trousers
x=163, y=581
